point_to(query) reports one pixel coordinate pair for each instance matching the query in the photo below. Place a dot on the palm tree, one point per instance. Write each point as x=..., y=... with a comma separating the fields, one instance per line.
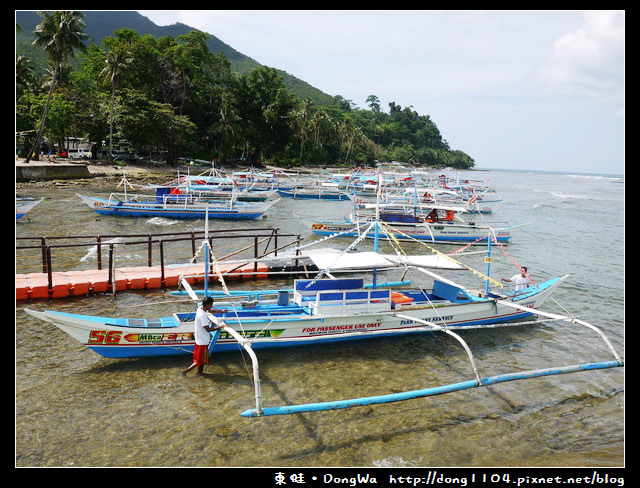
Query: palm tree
x=60, y=33
x=117, y=60
x=26, y=77
x=320, y=123
x=227, y=124
x=303, y=123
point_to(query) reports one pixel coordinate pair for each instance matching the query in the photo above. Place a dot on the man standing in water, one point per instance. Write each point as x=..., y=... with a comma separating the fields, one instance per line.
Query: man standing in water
x=202, y=336
x=520, y=281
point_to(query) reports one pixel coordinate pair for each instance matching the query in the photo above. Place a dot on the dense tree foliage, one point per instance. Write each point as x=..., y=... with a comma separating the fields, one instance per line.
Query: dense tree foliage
x=171, y=97
x=60, y=34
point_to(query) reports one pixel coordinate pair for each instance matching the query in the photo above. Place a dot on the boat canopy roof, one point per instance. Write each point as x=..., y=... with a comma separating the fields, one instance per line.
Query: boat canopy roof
x=338, y=260
x=403, y=205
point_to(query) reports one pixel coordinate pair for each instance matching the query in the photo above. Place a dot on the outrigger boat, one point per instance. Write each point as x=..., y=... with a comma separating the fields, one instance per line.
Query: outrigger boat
x=424, y=197
x=219, y=187
x=322, y=311
x=317, y=311
x=408, y=222
x=313, y=193
x=24, y=205
x=326, y=311
x=176, y=206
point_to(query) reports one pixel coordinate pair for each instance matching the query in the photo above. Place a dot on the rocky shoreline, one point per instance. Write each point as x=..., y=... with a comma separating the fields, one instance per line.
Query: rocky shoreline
x=105, y=174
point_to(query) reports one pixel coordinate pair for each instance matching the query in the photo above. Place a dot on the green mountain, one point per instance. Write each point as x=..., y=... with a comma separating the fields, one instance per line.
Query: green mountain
x=101, y=24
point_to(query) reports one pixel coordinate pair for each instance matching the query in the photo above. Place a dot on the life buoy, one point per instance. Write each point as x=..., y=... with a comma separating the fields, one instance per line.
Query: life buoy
x=472, y=200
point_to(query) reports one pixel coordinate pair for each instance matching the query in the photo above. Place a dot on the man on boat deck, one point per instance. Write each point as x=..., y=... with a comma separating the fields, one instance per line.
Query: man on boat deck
x=433, y=216
x=520, y=281
x=202, y=336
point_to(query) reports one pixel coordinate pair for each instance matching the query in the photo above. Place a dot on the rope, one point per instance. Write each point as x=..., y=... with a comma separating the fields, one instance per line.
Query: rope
x=485, y=222
x=463, y=248
x=217, y=271
x=474, y=271
x=226, y=290
x=504, y=251
x=240, y=348
x=348, y=248
x=195, y=256
x=563, y=308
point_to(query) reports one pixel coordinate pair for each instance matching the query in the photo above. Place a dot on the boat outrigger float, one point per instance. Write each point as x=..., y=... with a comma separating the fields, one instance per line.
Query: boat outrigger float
x=328, y=310
x=476, y=382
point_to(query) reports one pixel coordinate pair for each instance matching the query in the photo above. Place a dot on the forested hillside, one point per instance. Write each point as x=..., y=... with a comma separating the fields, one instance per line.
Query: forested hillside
x=101, y=24
x=117, y=79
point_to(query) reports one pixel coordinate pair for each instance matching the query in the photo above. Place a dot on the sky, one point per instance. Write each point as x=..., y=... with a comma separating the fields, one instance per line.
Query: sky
x=525, y=90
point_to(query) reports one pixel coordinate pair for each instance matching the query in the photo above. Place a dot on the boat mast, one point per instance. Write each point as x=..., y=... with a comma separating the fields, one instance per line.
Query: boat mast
x=206, y=251
x=487, y=259
x=376, y=233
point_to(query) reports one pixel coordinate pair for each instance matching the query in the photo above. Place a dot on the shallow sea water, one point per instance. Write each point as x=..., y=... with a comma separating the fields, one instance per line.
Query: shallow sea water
x=77, y=409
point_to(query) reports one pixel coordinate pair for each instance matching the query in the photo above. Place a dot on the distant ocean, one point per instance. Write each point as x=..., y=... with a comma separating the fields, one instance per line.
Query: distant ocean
x=569, y=173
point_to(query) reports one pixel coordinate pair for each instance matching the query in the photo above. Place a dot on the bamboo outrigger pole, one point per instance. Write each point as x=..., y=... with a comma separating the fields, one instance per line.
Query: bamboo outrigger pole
x=439, y=390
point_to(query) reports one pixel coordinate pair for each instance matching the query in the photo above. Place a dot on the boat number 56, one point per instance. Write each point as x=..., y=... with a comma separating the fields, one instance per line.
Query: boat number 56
x=104, y=337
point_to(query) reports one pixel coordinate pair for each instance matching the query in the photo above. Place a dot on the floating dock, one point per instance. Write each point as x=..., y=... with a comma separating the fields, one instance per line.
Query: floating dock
x=44, y=253
x=78, y=283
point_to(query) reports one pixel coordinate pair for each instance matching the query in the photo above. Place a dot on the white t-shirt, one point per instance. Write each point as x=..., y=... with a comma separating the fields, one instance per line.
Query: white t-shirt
x=201, y=334
x=520, y=282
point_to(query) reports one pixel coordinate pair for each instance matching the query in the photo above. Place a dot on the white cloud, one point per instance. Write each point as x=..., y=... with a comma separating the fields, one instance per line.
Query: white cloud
x=589, y=61
x=532, y=89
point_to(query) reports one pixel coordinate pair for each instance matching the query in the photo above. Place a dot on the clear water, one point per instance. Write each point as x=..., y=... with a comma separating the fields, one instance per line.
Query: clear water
x=75, y=408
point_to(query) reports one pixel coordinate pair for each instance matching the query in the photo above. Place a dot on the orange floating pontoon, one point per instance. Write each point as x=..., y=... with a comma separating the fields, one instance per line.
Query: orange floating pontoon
x=86, y=282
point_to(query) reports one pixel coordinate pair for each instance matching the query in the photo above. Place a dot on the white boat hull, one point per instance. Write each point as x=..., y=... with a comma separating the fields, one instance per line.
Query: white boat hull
x=25, y=206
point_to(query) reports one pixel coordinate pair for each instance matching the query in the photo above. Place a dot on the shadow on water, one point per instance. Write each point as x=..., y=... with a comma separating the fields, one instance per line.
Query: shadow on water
x=510, y=413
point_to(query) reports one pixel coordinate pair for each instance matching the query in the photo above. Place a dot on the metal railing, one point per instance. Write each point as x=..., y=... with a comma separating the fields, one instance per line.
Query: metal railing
x=47, y=253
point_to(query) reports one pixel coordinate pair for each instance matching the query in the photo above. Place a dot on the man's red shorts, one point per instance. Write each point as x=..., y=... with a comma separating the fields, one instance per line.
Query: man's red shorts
x=201, y=355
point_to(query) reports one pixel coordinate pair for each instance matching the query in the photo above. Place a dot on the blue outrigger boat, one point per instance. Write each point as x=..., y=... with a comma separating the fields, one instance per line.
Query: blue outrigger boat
x=176, y=206
x=410, y=223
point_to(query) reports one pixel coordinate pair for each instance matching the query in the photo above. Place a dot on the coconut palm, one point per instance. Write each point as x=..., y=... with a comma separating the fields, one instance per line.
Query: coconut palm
x=227, y=125
x=60, y=33
x=117, y=60
x=302, y=122
x=26, y=77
